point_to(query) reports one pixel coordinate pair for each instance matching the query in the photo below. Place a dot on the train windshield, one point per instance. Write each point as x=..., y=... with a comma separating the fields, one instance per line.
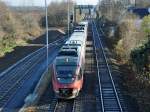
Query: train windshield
x=79, y=28
x=68, y=53
x=65, y=71
x=66, y=61
x=65, y=74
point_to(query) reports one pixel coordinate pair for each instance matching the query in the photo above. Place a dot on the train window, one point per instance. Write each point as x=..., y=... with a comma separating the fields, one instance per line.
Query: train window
x=75, y=44
x=78, y=30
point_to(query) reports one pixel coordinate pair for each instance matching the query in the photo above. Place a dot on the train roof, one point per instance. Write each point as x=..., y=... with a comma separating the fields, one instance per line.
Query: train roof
x=74, y=43
x=77, y=34
x=76, y=38
x=84, y=22
x=79, y=29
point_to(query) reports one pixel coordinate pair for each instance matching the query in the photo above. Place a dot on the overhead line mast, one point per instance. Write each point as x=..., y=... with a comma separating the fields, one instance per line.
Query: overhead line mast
x=68, y=19
x=47, y=39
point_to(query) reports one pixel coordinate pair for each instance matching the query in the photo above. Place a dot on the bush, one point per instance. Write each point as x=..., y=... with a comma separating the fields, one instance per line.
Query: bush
x=15, y=27
x=140, y=58
x=7, y=44
x=128, y=38
x=30, y=25
x=146, y=25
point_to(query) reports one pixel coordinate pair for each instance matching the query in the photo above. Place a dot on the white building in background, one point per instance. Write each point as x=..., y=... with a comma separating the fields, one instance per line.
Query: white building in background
x=110, y=2
x=132, y=1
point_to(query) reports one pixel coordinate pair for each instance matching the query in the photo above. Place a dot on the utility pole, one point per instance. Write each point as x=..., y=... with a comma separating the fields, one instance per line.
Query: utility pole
x=74, y=14
x=68, y=18
x=46, y=19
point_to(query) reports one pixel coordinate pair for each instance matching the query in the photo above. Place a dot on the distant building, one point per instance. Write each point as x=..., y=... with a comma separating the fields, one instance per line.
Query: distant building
x=111, y=2
x=132, y=2
x=141, y=12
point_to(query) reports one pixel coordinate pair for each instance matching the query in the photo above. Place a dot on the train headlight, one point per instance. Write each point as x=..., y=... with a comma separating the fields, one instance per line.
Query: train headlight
x=72, y=79
x=56, y=91
x=58, y=79
x=75, y=91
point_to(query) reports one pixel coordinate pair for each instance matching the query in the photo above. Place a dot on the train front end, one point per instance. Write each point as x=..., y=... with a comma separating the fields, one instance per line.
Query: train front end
x=67, y=78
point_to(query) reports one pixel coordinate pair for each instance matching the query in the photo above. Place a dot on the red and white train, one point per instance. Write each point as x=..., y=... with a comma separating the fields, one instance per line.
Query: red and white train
x=68, y=67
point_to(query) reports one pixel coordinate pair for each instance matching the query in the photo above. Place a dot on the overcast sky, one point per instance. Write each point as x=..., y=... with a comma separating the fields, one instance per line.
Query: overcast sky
x=41, y=2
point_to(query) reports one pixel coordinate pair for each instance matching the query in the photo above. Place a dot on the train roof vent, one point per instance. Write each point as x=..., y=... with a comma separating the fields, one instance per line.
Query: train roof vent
x=75, y=42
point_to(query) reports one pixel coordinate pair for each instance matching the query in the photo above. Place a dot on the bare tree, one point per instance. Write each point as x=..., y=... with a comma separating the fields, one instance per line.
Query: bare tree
x=57, y=13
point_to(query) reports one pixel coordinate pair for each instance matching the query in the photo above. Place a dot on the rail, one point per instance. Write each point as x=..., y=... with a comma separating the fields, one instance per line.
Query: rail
x=104, y=90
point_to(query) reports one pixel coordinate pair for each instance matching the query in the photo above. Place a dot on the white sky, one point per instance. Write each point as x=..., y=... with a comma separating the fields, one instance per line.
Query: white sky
x=41, y=2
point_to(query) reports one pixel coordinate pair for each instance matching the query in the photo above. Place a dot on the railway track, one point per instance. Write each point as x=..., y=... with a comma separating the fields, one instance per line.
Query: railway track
x=110, y=100
x=14, y=78
x=64, y=106
x=57, y=105
x=11, y=86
